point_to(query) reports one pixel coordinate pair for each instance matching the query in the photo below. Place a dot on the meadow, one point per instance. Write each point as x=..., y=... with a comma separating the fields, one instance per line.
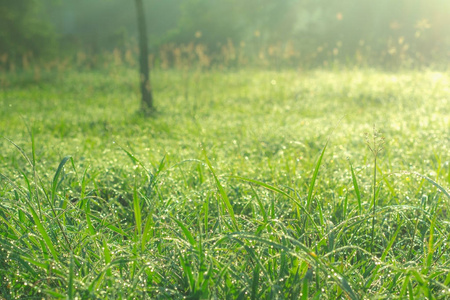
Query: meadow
x=245, y=184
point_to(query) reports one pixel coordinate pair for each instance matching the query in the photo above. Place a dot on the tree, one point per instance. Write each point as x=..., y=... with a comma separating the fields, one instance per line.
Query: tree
x=144, y=70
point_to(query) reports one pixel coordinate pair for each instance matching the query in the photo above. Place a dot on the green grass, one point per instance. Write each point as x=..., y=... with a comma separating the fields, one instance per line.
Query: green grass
x=246, y=184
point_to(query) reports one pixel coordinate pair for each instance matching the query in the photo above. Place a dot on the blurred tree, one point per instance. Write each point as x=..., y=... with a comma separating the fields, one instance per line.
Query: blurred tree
x=144, y=72
x=24, y=30
x=99, y=25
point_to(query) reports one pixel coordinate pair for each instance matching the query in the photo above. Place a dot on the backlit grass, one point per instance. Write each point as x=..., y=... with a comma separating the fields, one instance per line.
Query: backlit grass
x=245, y=184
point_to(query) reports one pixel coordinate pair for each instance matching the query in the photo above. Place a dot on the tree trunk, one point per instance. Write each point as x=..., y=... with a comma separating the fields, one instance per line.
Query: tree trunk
x=146, y=90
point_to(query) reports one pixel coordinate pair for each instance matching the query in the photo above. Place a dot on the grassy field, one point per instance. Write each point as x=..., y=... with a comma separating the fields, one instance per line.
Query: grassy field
x=243, y=185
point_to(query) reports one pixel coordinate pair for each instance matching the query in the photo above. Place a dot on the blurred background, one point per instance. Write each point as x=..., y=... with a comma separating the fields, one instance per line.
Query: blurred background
x=226, y=33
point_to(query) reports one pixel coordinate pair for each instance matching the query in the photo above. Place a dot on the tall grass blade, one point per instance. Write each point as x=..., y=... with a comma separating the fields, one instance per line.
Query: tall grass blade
x=356, y=187
x=148, y=230
x=391, y=242
x=447, y=279
x=109, y=225
x=107, y=257
x=135, y=160
x=137, y=211
x=430, y=248
x=265, y=185
x=33, y=159
x=21, y=151
x=222, y=192
x=54, y=294
x=188, y=272
x=187, y=233
x=83, y=185
x=56, y=178
x=410, y=290
x=404, y=287
x=206, y=214
x=255, y=283
x=34, y=262
x=383, y=256
x=43, y=233
x=348, y=289
x=55, y=184
x=441, y=188
x=70, y=284
x=305, y=285
x=277, y=190
x=87, y=211
x=261, y=206
x=314, y=178
x=345, y=207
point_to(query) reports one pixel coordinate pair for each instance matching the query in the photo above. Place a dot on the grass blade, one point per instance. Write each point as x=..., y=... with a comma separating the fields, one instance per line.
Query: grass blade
x=314, y=178
x=391, y=242
x=429, y=256
x=261, y=206
x=188, y=272
x=441, y=188
x=107, y=257
x=87, y=211
x=148, y=230
x=255, y=282
x=265, y=185
x=70, y=288
x=187, y=233
x=305, y=285
x=137, y=211
x=56, y=177
x=222, y=192
x=356, y=187
x=348, y=289
x=43, y=233
x=277, y=190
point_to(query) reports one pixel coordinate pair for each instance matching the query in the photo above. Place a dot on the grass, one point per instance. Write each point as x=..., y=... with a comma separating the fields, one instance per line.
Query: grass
x=246, y=184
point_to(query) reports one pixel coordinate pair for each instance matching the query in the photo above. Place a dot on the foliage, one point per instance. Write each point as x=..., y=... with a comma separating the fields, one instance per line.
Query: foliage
x=416, y=31
x=25, y=33
x=231, y=191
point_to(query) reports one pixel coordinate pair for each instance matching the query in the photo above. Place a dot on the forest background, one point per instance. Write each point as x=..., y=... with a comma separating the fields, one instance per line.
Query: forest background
x=228, y=33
